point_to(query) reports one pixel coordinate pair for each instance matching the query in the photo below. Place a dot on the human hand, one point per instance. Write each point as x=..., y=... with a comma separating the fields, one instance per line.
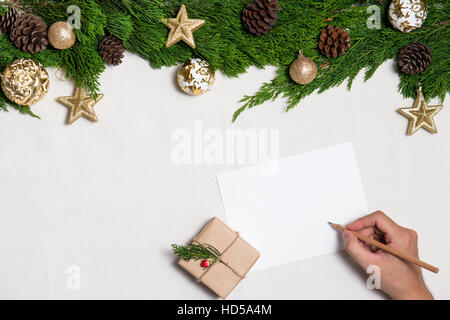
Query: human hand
x=399, y=279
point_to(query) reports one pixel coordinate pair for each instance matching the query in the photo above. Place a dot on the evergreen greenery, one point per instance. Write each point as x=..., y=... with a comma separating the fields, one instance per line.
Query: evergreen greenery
x=225, y=44
x=196, y=252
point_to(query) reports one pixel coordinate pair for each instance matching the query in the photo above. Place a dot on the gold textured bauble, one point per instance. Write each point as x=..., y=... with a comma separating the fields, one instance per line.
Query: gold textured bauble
x=420, y=115
x=303, y=70
x=25, y=82
x=81, y=104
x=181, y=28
x=61, y=35
x=195, y=77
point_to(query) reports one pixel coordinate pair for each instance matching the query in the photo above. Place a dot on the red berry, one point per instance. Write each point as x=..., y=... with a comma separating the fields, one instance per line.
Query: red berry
x=205, y=263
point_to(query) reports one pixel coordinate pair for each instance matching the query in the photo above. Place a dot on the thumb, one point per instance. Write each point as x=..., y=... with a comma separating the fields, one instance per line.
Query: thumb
x=356, y=250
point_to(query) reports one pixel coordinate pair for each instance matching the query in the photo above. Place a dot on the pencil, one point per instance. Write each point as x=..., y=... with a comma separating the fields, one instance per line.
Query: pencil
x=386, y=248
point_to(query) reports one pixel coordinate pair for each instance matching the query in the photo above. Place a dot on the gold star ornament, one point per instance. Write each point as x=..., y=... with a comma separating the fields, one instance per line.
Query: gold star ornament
x=181, y=28
x=420, y=115
x=81, y=104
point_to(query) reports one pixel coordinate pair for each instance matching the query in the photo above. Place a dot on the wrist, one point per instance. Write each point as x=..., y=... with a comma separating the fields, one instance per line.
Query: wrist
x=413, y=294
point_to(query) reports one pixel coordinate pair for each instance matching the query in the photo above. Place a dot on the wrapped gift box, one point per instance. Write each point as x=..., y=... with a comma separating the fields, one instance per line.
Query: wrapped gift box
x=237, y=257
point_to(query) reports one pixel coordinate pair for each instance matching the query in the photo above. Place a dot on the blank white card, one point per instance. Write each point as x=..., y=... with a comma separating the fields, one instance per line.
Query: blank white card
x=284, y=213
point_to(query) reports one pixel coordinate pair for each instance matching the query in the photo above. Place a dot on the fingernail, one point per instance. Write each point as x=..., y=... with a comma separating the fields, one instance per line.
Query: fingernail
x=345, y=234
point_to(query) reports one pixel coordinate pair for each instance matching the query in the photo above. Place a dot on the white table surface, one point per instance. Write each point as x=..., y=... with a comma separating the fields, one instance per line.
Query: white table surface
x=106, y=197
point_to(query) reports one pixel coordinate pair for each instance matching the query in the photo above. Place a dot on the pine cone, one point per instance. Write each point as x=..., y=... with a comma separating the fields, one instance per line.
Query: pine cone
x=414, y=58
x=260, y=16
x=111, y=50
x=8, y=19
x=29, y=33
x=333, y=41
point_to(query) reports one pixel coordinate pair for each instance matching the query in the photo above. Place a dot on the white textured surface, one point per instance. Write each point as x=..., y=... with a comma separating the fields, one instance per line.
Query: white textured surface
x=107, y=197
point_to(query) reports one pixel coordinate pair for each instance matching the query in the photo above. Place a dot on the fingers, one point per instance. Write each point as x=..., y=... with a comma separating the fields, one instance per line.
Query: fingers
x=376, y=220
x=357, y=250
x=368, y=232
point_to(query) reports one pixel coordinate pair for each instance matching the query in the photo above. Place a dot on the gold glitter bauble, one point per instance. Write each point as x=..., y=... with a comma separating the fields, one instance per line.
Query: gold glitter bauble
x=303, y=70
x=25, y=82
x=61, y=35
x=195, y=77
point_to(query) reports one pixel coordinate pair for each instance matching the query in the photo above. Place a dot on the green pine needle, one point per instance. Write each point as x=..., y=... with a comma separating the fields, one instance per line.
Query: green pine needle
x=196, y=252
x=225, y=44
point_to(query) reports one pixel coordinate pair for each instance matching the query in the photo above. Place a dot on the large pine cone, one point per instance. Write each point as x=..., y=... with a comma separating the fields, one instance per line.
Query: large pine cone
x=260, y=16
x=414, y=58
x=29, y=33
x=111, y=50
x=8, y=19
x=333, y=41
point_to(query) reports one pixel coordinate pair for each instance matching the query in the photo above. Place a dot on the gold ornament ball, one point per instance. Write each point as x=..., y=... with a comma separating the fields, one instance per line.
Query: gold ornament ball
x=25, y=82
x=195, y=77
x=303, y=70
x=61, y=35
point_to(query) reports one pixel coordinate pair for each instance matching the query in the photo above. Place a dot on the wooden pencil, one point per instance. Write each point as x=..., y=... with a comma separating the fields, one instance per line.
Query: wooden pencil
x=386, y=248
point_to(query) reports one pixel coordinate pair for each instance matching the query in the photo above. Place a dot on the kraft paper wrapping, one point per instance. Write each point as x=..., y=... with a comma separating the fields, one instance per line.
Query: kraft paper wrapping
x=238, y=257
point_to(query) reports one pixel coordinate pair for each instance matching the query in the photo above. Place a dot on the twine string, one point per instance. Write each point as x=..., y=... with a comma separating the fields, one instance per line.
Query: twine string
x=219, y=259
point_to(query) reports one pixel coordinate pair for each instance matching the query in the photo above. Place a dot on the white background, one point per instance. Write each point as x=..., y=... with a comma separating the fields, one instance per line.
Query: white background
x=106, y=196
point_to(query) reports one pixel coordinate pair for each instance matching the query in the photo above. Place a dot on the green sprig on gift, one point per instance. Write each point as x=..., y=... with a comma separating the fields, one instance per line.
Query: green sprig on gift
x=230, y=48
x=205, y=252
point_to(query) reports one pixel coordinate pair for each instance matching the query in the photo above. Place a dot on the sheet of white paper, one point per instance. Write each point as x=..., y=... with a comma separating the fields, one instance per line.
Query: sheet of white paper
x=284, y=214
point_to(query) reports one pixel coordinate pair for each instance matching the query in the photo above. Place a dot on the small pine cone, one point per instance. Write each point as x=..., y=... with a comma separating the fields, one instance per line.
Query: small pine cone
x=260, y=16
x=112, y=50
x=8, y=19
x=414, y=58
x=333, y=41
x=29, y=33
